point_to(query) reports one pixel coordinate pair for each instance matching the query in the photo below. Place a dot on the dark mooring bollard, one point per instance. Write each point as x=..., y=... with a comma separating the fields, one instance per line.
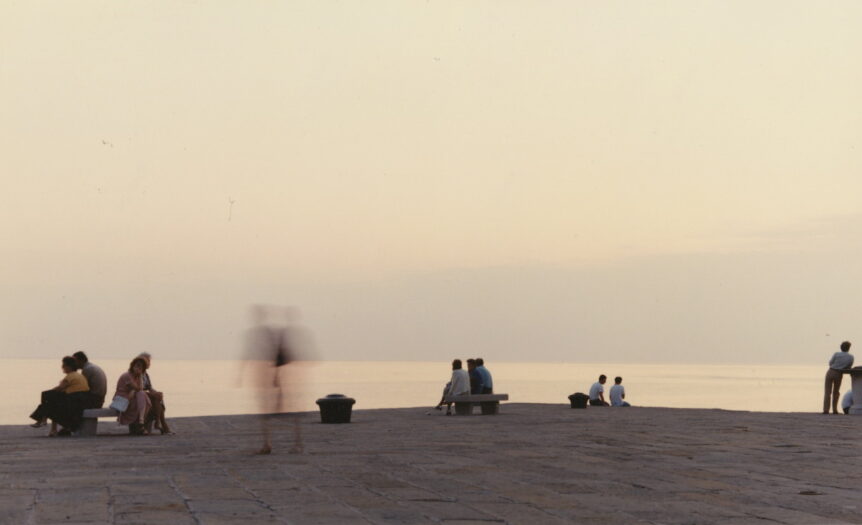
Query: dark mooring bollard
x=579, y=400
x=335, y=408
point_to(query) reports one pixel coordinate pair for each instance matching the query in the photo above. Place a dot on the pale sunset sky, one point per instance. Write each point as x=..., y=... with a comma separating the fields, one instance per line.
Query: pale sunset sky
x=522, y=180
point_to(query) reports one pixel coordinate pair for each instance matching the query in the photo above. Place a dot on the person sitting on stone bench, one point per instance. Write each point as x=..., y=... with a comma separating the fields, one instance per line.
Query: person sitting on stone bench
x=477, y=385
x=130, y=386
x=64, y=403
x=459, y=385
x=487, y=381
x=95, y=378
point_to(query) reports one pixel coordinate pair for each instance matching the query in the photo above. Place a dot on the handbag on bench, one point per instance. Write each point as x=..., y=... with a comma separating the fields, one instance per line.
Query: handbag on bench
x=119, y=403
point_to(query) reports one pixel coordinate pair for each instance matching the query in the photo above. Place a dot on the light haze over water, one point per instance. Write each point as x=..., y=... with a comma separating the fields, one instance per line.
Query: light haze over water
x=548, y=181
x=201, y=388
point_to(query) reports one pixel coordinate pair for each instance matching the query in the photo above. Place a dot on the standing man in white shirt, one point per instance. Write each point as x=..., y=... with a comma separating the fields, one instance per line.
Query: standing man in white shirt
x=597, y=392
x=618, y=393
x=840, y=361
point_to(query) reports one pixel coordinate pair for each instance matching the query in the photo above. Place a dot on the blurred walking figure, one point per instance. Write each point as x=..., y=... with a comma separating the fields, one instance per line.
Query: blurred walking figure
x=157, y=399
x=840, y=361
x=270, y=346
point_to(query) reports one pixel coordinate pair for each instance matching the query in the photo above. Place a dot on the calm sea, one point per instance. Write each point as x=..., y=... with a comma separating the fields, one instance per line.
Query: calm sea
x=196, y=388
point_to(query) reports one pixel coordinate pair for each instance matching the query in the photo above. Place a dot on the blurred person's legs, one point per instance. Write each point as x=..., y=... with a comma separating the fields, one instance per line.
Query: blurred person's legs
x=277, y=400
x=269, y=396
x=290, y=397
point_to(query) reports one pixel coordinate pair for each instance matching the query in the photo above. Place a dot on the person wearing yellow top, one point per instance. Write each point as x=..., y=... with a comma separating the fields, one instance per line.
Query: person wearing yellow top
x=75, y=382
x=63, y=404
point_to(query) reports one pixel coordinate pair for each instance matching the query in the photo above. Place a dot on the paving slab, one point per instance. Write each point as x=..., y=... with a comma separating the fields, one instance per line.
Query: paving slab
x=533, y=463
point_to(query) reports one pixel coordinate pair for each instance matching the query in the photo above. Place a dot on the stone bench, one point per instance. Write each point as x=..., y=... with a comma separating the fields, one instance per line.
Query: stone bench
x=490, y=403
x=90, y=422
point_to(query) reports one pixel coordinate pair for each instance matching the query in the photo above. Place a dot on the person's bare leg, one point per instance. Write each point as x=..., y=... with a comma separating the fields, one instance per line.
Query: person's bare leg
x=158, y=412
x=267, y=435
x=53, y=431
x=272, y=402
x=152, y=414
x=297, y=436
x=163, y=423
x=156, y=409
x=440, y=404
x=276, y=402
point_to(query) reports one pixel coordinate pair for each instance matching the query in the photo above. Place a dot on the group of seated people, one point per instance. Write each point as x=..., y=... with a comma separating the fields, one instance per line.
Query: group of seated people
x=138, y=403
x=475, y=380
x=617, y=393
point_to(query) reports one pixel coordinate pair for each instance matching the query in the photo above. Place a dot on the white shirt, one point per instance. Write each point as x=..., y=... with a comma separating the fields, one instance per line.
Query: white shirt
x=596, y=389
x=617, y=394
x=847, y=400
x=460, y=383
x=841, y=360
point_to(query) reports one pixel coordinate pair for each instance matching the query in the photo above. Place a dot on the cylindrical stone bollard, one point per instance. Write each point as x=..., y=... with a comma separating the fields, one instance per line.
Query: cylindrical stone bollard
x=579, y=400
x=335, y=408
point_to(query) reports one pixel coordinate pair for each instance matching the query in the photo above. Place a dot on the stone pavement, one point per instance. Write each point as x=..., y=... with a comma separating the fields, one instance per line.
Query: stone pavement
x=531, y=464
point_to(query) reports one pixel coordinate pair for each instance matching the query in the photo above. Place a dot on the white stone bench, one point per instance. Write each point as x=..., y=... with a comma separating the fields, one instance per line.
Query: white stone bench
x=490, y=403
x=90, y=422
